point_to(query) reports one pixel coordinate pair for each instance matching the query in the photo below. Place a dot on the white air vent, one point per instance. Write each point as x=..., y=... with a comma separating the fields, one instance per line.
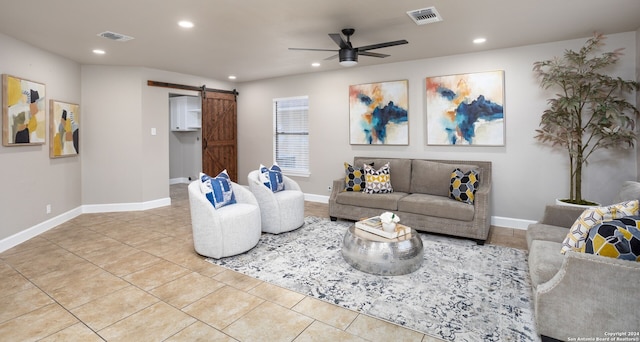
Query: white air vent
x=425, y=16
x=115, y=36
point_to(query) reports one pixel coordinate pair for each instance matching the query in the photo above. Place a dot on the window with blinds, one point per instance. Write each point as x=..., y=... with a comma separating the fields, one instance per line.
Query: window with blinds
x=291, y=134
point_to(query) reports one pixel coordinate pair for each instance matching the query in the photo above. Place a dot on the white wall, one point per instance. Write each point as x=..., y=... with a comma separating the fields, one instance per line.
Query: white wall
x=29, y=179
x=526, y=174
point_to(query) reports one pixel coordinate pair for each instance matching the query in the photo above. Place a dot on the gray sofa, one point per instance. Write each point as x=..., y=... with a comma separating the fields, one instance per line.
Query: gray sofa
x=577, y=294
x=420, y=197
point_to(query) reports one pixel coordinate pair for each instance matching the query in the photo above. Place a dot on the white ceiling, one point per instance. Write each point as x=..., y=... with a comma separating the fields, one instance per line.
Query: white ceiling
x=250, y=38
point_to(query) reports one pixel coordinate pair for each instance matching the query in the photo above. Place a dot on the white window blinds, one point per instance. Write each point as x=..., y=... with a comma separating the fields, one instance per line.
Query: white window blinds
x=291, y=134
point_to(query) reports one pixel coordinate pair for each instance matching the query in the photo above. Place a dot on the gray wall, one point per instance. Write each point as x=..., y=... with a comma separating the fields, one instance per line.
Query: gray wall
x=121, y=166
x=121, y=163
x=29, y=179
x=526, y=174
x=123, y=110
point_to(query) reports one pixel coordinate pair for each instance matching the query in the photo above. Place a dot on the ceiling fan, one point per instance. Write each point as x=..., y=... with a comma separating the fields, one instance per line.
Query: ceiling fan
x=348, y=55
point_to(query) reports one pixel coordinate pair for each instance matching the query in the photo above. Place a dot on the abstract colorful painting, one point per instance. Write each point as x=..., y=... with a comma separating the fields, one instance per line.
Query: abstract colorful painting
x=23, y=112
x=378, y=113
x=466, y=109
x=63, y=129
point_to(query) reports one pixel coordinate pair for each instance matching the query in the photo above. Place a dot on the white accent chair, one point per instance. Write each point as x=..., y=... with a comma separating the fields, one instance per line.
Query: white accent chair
x=281, y=211
x=226, y=231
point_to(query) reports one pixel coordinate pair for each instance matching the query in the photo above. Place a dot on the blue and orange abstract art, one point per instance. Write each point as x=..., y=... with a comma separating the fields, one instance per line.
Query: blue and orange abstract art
x=466, y=109
x=378, y=113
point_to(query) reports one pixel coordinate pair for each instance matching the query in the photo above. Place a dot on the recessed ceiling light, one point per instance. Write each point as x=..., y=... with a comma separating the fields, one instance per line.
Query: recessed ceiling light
x=98, y=52
x=315, y=64
x=479, y=40
x=232, y=77
x=185, y=24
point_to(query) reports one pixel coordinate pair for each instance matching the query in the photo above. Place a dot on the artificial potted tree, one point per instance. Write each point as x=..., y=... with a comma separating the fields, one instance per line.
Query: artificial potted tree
x=589, y=112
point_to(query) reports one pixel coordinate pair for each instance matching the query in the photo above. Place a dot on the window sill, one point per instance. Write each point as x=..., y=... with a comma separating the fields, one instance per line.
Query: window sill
x=296, y=173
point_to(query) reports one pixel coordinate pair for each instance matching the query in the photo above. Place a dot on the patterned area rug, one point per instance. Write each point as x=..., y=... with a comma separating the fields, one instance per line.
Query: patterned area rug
x=462, y=292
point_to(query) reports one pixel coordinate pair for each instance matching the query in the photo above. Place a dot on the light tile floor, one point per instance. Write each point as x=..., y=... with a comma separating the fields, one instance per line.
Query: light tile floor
x=134, y=276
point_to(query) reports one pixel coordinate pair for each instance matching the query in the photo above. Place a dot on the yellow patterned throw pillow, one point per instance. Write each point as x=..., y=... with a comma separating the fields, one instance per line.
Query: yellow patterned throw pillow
x=377, y=181
x=463, y=185
x=619, y=238
x=354, y=179
x=579, y=231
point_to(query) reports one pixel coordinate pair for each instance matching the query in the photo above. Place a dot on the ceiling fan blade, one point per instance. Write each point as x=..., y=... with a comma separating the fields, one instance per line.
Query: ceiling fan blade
x=382, y=45
x=372, y=54
x=339, y=40
x=331, y=57
x=303, y=49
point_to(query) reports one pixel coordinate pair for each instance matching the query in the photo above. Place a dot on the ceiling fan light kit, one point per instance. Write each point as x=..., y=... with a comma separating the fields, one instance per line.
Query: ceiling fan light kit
x=347, y=54
x=348, y=57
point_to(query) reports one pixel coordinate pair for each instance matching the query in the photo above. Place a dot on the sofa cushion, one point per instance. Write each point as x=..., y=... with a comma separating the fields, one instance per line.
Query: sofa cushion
x=217, y=189
x=463, y=185
x=380, y=201
x=544, y=261
x=545, y=232
x=400, y=170
x=590, y=217
x=437, y=206
x=433, y=178
x=377, y=181
x=618, y=239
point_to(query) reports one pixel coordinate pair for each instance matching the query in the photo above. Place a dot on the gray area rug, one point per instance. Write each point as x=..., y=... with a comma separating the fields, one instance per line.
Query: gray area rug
x=462, y=292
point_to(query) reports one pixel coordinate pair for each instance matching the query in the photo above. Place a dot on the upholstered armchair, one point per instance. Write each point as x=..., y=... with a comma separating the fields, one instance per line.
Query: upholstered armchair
x=226, y=231
x=281, y=211
x=580, y=294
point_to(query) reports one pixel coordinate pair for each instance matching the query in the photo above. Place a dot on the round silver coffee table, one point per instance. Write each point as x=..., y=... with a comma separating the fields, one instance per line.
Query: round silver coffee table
x=374, y=254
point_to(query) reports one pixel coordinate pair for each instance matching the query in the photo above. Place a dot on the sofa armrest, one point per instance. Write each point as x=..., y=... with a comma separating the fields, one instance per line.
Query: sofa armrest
x=337, y=187
x=482, y=208
x=561, y=215
x=590, y=295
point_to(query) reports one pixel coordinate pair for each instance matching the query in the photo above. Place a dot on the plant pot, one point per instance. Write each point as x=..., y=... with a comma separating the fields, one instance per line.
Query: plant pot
x=389, y=227
x=561, y=202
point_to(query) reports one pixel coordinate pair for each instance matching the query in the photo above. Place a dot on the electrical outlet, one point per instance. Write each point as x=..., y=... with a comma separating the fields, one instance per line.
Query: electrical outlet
x=329, y=188
x=48, y=208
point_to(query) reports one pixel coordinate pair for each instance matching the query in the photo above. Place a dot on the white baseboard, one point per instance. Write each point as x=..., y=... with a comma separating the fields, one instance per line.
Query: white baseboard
x=509, y=222
x=22, y=236
x=42, y=227
x=179, y=180
x=115, y=207
x=316, y=198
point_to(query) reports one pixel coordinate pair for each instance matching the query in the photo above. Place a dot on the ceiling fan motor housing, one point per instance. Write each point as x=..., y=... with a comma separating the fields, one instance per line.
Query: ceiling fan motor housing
x=348, y=55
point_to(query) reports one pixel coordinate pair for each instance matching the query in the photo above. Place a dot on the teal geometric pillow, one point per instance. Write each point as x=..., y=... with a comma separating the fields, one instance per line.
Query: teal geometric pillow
x=619, y=238
x=463, y=185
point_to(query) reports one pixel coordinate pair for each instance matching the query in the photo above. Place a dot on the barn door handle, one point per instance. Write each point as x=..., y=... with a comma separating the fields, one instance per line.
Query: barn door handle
x=204, y=144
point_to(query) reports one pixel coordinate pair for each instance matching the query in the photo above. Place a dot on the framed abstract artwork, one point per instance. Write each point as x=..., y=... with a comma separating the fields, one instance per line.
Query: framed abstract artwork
x=378, y=113
x=23, y=112
x=466, y=109
x=63, y=129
